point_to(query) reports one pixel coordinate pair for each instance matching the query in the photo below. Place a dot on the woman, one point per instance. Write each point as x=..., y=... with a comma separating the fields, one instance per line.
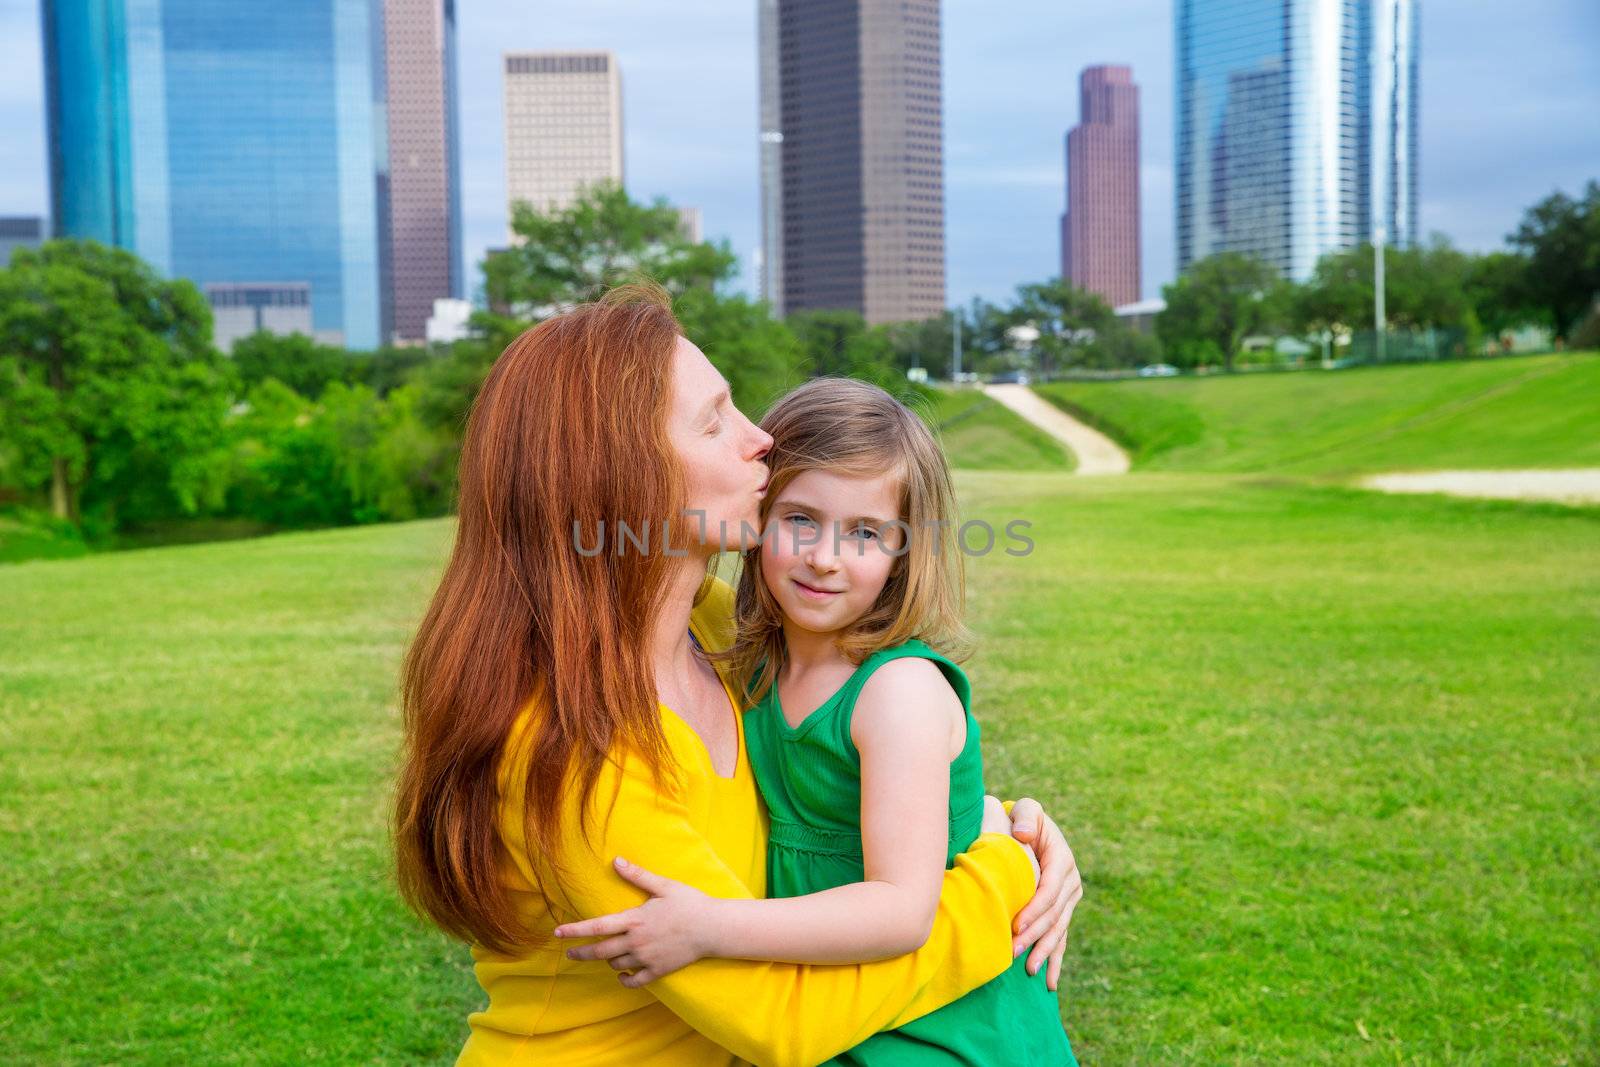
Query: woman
x=561, y=720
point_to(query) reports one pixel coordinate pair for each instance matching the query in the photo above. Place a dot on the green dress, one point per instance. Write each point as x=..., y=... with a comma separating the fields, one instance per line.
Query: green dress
x=810, y=777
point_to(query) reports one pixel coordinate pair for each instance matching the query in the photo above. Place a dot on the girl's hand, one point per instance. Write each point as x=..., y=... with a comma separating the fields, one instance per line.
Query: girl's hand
x=1043, y=923
x=996, y=821
x=669, y=931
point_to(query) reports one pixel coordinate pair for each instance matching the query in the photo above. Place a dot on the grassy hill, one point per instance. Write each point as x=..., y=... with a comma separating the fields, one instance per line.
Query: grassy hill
x=1532, y=411
x=1326, y=758
x=980, y=434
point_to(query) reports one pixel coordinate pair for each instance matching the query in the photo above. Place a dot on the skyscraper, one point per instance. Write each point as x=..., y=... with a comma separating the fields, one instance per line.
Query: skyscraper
x=853, y=156
x=424, y=160
x=1100, y=231
x=1296, y=127
x=229, y=143
x=563, y=114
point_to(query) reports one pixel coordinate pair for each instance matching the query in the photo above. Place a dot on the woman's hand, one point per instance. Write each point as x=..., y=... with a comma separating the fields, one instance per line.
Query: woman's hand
x=1043, y=923
x=667, y=932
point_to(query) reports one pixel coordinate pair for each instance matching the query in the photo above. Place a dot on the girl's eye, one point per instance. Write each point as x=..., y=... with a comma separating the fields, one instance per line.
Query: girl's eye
x=796, y=517
x=865, y=532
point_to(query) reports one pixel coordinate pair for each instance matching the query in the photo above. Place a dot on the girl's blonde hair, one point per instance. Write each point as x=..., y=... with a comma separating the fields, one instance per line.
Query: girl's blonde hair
x=850, y=427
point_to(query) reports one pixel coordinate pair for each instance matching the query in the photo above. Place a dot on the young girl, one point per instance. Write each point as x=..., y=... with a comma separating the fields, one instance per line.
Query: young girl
x=861, y=736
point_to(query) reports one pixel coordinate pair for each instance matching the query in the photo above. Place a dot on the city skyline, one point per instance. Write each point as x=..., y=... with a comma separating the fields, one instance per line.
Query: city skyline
x=1490, y=145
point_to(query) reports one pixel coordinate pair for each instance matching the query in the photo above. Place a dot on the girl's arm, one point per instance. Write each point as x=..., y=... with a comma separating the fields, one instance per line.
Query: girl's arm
x=904, y=726
x=907, y=722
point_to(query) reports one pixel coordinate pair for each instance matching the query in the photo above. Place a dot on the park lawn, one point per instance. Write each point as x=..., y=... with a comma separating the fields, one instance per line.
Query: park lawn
x=1524, y=411
x=980, y=434
x=1327, y=759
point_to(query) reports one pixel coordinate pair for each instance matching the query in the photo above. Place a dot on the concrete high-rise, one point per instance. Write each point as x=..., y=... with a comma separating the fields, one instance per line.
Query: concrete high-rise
x=563, y=113
x=424, y=160
x=1296, y=127
x=1100, y=230
x=231, y=144
x=853, y=157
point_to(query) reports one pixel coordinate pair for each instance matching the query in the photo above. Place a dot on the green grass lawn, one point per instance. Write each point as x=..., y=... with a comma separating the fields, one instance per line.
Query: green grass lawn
x=1328, y=760
x=1528, y=411
x=980, y=434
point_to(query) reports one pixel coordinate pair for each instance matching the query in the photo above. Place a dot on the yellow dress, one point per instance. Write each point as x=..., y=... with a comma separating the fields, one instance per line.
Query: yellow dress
x=712, y=833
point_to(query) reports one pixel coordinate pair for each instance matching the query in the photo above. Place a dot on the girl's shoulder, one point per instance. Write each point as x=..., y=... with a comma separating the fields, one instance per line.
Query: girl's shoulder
x=908, y=686
x=915, y=659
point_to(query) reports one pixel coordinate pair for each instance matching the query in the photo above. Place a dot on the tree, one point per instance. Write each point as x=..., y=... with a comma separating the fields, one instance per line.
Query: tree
x=1561, y=238
x=110, y=389
x=1424, y=287
x=1216, y=304
x=841, y=343
x=1497, y=288
x=293, y=359
x=926, y=344
x=572, y=254
x=758, y=355
x=1069, y=321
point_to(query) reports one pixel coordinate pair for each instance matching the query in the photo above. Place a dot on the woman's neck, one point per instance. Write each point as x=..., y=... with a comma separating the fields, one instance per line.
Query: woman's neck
x=670, y=649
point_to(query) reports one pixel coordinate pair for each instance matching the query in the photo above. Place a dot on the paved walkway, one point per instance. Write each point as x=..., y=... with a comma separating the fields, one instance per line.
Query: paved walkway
x=1097, y=453
x=1576, y=486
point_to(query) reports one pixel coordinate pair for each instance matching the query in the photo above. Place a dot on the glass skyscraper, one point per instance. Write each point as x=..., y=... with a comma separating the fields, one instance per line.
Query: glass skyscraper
x=239, y=143
x=1296, y=127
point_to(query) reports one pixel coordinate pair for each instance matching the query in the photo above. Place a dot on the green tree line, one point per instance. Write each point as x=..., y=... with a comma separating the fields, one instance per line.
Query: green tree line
x=118, y=412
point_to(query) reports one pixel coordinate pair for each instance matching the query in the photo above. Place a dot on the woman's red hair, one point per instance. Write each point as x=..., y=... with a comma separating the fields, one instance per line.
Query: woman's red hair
x=567, y=434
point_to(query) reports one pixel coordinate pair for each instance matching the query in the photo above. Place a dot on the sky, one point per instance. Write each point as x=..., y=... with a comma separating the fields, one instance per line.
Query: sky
x=1510, y=96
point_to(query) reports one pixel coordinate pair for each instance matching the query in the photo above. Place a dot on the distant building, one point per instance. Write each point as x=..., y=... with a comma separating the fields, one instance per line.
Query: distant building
x=1296, y=128
x=424, y=160
x=19, y=231
x=1141, y=314
x=852, y=157
x=563, y=113
x=1100, y=230
x=448, y=323
x=229, y=143
x=690, y=225
x=241, y=309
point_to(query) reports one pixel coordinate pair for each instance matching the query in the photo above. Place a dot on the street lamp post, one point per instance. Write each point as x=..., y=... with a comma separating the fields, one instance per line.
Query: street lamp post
x=1380, y=332
x=955, y=347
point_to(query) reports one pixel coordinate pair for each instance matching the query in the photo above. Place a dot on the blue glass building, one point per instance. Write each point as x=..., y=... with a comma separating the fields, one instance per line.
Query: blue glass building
x=229, y=143
x=1296, y=127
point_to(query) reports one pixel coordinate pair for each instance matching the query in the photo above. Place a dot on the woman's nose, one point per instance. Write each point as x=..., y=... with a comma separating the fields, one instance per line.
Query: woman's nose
x=762, y=441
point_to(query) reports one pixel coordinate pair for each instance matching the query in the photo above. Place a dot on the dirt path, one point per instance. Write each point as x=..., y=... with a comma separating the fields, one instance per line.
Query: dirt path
x=1097, y=453
x=1576, y=486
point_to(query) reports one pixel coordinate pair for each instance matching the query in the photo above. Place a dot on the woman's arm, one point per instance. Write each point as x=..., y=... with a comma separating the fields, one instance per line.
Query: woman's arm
x=906, y=723
x=781, y=1012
